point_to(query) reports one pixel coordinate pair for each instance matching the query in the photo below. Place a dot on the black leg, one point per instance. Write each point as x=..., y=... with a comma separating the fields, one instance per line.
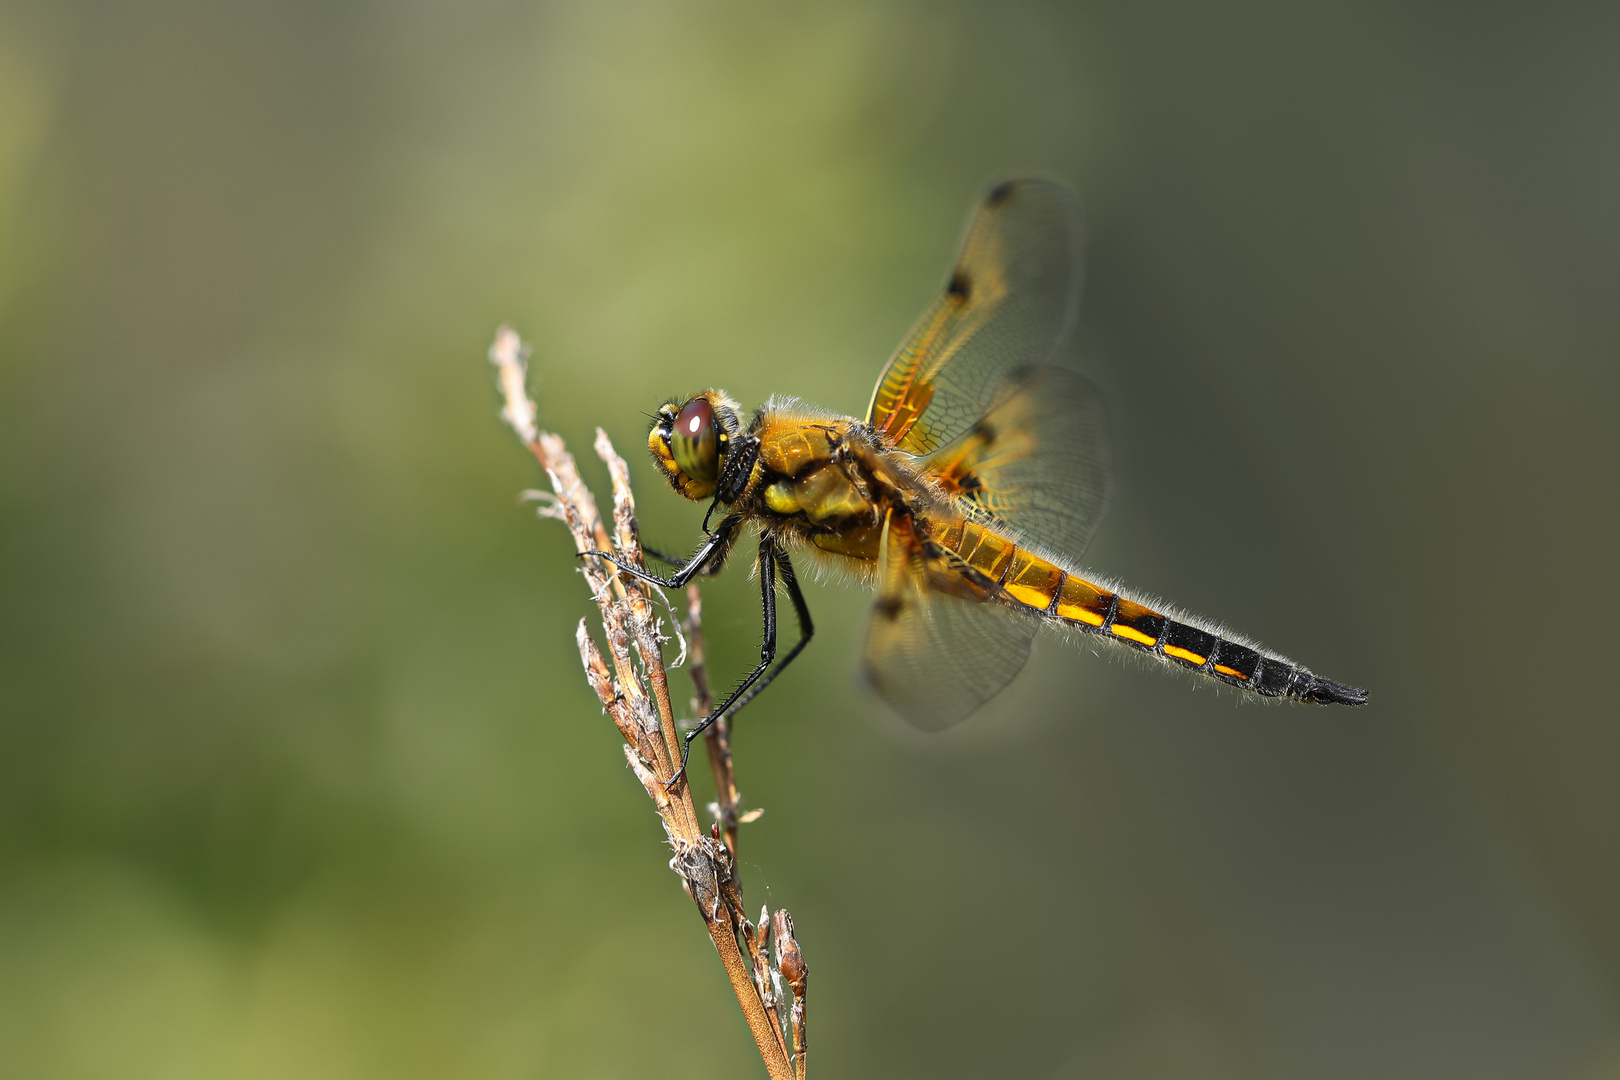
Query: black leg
x=767, y=651
x=807, y=630
x=654, y=553
x=771, y=558
x=714, y=549
x=715, y=564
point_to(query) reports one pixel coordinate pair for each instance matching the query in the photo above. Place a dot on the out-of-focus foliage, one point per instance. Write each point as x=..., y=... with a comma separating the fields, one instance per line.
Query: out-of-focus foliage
x=298, y=775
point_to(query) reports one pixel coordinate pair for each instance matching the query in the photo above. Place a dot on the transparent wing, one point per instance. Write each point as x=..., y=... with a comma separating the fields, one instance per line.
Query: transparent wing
x=936, y=647
x=1038, y=464
x=1010, y=303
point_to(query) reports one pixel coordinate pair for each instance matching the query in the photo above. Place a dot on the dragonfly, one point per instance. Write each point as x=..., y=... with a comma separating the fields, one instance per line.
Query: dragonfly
x=964, y=498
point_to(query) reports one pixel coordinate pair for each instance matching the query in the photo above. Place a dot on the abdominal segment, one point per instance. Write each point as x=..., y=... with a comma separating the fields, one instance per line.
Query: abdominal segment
x=1003, y=569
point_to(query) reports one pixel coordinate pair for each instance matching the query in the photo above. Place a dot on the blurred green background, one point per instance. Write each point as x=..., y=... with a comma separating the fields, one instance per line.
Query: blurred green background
x=298, y=773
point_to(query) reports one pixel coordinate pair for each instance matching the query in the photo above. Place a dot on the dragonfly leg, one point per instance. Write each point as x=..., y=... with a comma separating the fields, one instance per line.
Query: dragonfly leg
x=771, y=558
x=679, y=561
x=807, y=630
x=654, y=553
x=708, y=558
x=715, y=564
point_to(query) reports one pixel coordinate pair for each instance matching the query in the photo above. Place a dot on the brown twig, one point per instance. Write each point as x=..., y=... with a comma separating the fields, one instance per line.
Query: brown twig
x=790, y=965
x=633, y=687
x=717, y=739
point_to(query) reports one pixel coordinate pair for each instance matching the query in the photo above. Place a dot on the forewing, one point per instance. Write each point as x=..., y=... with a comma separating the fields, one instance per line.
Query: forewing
x=936, y=648
x=1010, y=303
x=1038, y=464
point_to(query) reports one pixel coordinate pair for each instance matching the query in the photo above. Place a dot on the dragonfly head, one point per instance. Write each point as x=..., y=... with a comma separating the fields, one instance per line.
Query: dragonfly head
x=689, y=441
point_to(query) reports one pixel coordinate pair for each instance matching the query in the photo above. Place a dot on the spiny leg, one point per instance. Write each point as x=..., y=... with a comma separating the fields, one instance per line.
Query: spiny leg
x=807, y=630
x=654, y=553
x=708, y=559
x=714, y=550
x=770, y=557
x=716, y=563
x=767, y=650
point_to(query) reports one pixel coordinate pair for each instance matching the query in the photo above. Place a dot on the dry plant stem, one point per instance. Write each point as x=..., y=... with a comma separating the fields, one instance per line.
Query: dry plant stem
x=717, y=746
x=717, y=740
x=633, y=687
x=790, y=964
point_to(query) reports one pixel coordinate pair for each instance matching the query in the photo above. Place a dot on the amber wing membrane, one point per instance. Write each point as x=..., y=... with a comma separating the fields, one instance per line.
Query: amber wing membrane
x=1009, y=304
x=1037, y=466
x=936, y=647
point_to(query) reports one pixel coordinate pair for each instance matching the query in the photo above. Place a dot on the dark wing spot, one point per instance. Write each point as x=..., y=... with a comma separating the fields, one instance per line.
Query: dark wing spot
x=1001, y=193
x=961, y=286
x=888, y=607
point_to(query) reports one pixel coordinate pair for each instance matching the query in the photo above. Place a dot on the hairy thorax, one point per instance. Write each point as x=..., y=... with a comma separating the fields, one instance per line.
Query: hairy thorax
x=825, y=481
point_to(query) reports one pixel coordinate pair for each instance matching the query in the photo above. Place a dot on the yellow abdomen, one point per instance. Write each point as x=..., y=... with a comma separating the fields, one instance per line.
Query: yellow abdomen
x=1035, y=583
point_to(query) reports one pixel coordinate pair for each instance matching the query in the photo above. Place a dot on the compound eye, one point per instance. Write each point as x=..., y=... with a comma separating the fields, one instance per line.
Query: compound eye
x=694, y=442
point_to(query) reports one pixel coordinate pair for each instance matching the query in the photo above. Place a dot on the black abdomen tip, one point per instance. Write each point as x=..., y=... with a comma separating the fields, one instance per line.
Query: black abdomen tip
x=1327, y=692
